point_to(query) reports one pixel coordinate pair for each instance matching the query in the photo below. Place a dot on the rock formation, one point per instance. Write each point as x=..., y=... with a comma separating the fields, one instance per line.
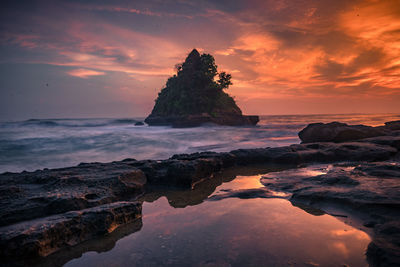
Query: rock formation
x=341, y=132
x=192, y=97
x=46, y=211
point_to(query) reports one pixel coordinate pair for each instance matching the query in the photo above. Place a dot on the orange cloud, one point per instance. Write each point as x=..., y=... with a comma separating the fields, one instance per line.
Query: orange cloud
x=84, y=73
x=278, y=51
x=350, y=52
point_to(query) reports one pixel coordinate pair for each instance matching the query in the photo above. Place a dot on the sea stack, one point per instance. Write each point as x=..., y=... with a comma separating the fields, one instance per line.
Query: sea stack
x=193, y=96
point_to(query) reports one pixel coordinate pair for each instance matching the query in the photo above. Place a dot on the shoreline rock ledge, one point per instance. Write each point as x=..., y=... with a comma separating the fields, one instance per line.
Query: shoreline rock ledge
x=341, y=132
x=194, y=96
x=52, y=211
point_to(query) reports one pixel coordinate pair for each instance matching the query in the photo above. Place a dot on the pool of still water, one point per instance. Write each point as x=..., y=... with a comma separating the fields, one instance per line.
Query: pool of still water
x=234, y=232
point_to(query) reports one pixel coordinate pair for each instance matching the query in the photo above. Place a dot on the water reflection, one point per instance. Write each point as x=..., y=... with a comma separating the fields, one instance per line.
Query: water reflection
x=180, y=198
x=180, y=228
x=101, y=245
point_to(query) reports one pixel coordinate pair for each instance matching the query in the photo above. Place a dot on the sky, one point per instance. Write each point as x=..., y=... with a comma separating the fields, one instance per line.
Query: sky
x=82, y=59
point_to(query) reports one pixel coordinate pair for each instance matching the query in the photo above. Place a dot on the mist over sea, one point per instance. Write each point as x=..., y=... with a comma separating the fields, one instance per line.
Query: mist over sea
x=52, y=143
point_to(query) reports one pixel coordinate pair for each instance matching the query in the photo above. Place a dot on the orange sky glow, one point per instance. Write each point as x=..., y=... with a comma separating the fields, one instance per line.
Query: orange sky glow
x=286, y=57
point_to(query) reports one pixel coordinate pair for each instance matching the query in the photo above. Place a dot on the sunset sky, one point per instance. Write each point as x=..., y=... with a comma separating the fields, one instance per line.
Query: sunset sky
x=111, y=58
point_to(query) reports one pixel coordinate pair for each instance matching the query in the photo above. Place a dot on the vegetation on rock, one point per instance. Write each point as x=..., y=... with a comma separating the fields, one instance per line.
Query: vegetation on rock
x=195, y=89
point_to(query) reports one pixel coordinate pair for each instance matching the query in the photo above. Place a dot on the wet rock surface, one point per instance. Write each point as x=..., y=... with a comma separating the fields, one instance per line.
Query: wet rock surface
x=44, y=211
x=342, y=132
x=44, y=236
x=368, y=194
x=393, y=125
x=198, y=120
x=30, y=195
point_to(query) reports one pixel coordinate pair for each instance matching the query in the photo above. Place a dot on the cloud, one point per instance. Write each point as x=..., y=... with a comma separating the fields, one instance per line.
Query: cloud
x=274, y=49
x=145, y=12
x=85, y=73
x=311, y=50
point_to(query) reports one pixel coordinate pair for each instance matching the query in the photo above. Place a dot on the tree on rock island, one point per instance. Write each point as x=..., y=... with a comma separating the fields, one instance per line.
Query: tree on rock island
x=194, y=90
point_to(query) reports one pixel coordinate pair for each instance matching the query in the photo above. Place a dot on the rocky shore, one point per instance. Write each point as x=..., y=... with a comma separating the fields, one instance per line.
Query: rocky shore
x=201, y=119
x=47, y=212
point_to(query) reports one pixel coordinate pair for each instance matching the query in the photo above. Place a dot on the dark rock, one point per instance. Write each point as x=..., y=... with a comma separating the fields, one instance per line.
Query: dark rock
x=194, y=97
x=353, y=193
x=181, y=173
x=384, y=250
x=370, y=224
x=309, y=209
x=311, y=153
x=393, y=141
x=335, y=178
x=201, y=119
x=393, y=125
x=230, y=120
x=77, y=198
x=30, y=195
x=338, y=132
x=139, y=123
x=379, y=169
x=102, y=243
x=41, y=237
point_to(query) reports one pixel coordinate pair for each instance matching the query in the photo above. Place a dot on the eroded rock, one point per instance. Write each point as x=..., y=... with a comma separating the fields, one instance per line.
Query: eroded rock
x=393, y=125
x=43, y=211
x=41, y=237
x=338, y=132
x=366, y=192
x=30, y=195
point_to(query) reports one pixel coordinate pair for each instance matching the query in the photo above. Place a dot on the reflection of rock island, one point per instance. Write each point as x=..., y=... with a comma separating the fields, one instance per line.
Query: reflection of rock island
x=46, y=211
x=192, y=97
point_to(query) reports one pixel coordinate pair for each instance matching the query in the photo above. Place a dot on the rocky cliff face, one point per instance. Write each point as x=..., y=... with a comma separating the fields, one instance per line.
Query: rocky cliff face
x=194, y=96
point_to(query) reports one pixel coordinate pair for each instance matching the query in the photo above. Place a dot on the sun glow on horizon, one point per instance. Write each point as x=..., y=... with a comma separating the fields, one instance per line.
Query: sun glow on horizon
x=284, y=57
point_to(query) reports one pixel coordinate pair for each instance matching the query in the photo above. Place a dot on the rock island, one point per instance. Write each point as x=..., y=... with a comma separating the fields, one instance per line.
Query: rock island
x=193, y=96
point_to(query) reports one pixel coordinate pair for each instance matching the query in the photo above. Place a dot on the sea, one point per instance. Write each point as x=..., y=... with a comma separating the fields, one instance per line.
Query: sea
x=54, y=143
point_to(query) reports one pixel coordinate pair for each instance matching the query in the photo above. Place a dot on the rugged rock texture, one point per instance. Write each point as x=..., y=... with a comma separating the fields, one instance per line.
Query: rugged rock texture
x=197, y=120
x=102, y=243
x=42, y=237
x=338, y=132
x=192, y=97
x=46, y=210
x=177, y=172
x=31, y=195
x=393, y=125
x=367, y=193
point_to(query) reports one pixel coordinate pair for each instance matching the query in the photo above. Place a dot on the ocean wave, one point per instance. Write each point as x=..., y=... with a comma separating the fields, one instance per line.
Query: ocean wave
x=124, y=121
x=49, y=123
x=50, y=143
x=73, y=122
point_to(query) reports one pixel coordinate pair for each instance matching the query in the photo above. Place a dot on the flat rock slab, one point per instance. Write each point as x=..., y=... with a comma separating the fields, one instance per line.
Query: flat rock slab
x=30, y=195
x=366, y=192
x=45, y=210
x=41, y=237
